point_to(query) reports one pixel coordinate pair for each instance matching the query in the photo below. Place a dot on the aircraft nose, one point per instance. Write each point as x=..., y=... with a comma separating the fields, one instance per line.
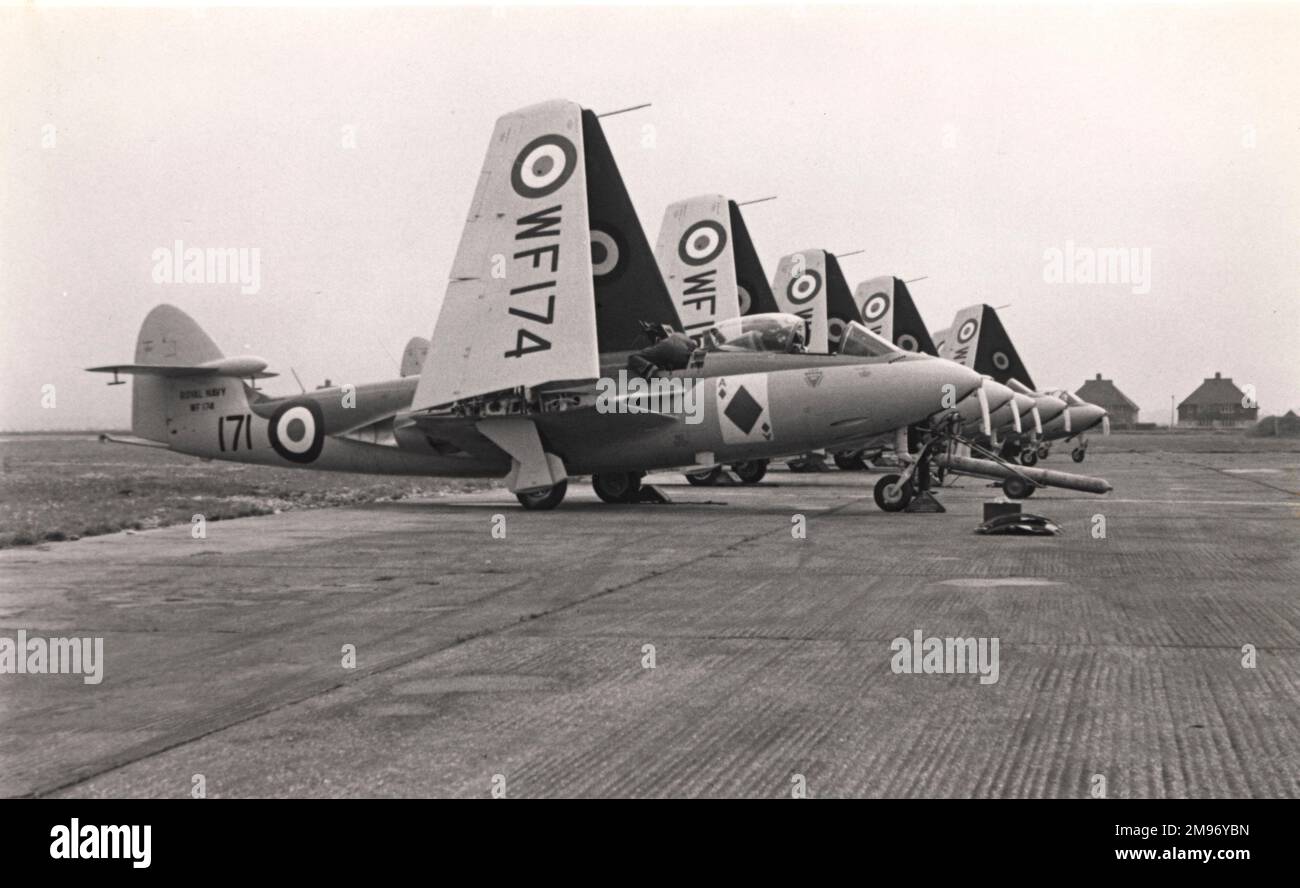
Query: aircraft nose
x=1092, y=414
x=998, y=394
x=963, y=379
x=927, y=384
x=1049, y=407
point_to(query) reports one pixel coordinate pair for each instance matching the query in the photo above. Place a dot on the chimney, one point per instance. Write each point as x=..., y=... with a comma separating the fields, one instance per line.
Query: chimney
x=1218, y=375
x=1098, y=377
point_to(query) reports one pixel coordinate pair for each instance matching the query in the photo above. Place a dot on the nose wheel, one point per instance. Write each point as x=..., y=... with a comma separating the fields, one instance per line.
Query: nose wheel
x=891, y=496
x=1078, y=453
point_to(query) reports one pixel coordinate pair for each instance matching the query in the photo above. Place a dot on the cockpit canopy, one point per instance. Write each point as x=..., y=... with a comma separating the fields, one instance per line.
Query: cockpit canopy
x=773, y=332
x=860, y=342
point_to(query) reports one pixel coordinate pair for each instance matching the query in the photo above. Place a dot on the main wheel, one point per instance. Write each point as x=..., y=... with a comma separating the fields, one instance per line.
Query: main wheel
x=617, y=487
x=850, y=461
x=1077, y=454
x=1017, y=487
x=542, y=500
x=706, y=478
x=1028, y=456
x=892, y=496
x=750, y=471
x=1044, y=450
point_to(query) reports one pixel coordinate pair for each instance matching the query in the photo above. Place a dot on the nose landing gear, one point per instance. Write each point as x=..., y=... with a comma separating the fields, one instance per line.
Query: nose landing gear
x=892, y=494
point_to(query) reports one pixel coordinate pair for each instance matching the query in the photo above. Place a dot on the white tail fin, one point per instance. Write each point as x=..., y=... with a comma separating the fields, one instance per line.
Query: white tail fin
x=888, y=311
x=179, y=375
x=695, y=254
x=520, y=308
x=811, y=285
x=978, y=340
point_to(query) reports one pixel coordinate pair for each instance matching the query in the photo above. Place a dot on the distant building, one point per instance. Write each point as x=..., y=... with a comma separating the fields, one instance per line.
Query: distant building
x=1217, y=403
x=1102, y=392
x=1285, y=426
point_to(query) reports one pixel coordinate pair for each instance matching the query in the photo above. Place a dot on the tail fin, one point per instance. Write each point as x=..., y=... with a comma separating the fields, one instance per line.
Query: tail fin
x=888, y=310
x=753, y=290
x=179, y=374
x=552, y=267
x=167, y=336
x=629, y=286
x=413, y=357
x=810, y=284
x=695, y=254
x=978, y=340
x=709, y=263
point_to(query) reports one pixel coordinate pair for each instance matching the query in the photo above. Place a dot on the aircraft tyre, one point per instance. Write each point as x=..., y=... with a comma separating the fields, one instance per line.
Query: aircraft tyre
x=751, y=471
x=850, y=461
x=617, y=487
x=1017, y=487
x=706, y=478
x=892, y=496
x=1028, y=456
x=1077, y=454
x=543, y=500
x=1044, y=450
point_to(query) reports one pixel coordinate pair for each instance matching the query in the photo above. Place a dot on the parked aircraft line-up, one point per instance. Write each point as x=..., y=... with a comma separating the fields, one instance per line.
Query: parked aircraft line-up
x=518, y=377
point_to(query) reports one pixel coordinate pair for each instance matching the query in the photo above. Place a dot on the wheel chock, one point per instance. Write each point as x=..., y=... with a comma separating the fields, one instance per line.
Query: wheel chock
x=924, y=502
x=648, y=493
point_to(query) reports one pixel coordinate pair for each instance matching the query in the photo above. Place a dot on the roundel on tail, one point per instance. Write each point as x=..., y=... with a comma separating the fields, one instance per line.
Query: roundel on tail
x=606, y=253
x=967, y=330
x=543, y=166
x=746, y=301
x=1001, y=361
x=907, y=342
x=803, y=288
x=297, y=431
x=835, y=330
x=702, y=243
x=875, y=307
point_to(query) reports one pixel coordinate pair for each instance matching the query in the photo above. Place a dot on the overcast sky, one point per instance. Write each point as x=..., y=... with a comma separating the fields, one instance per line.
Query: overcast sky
x=960, y=144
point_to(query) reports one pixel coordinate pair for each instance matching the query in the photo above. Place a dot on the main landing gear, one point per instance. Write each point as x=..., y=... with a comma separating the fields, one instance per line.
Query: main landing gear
x=617, y=487
x=851, y=461
x=749, y=472
x=705, y=478
x=545, y=499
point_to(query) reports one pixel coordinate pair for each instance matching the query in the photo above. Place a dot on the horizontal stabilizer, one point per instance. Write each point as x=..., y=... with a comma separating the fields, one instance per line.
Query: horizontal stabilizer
x=130, y=439
x=241, y=367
